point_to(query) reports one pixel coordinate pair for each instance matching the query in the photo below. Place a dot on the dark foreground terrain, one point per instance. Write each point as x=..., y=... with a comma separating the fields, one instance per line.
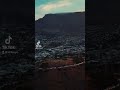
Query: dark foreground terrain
x=59, y=78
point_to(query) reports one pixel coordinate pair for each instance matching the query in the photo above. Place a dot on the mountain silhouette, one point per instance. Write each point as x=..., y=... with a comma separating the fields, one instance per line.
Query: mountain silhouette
x=62, y=23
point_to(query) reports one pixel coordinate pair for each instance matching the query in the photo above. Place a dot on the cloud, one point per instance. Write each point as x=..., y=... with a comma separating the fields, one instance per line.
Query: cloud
x=58, y=6
x=47, y=8
x=51, y=6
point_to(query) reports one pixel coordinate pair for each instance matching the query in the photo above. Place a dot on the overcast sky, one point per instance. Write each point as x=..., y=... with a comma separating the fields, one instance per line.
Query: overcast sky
x=43, y=7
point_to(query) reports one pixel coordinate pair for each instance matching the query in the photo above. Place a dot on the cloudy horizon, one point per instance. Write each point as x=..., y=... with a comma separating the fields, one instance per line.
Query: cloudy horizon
x=43, y=7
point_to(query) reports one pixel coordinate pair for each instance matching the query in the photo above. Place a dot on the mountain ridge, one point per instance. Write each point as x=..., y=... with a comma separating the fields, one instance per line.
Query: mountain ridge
x=62, y=22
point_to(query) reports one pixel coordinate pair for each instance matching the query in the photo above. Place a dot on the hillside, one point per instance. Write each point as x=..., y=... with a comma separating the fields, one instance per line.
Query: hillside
x=62, y=23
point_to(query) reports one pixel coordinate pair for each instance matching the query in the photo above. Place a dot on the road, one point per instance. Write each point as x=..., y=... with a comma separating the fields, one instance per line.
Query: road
x=71, y=77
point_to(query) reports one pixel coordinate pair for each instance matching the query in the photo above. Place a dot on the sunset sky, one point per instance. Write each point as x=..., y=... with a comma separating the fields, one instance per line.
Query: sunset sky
x=43, y=7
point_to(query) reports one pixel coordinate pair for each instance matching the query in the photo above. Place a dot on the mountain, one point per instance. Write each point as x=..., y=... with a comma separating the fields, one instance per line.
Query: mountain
x=62, y=23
